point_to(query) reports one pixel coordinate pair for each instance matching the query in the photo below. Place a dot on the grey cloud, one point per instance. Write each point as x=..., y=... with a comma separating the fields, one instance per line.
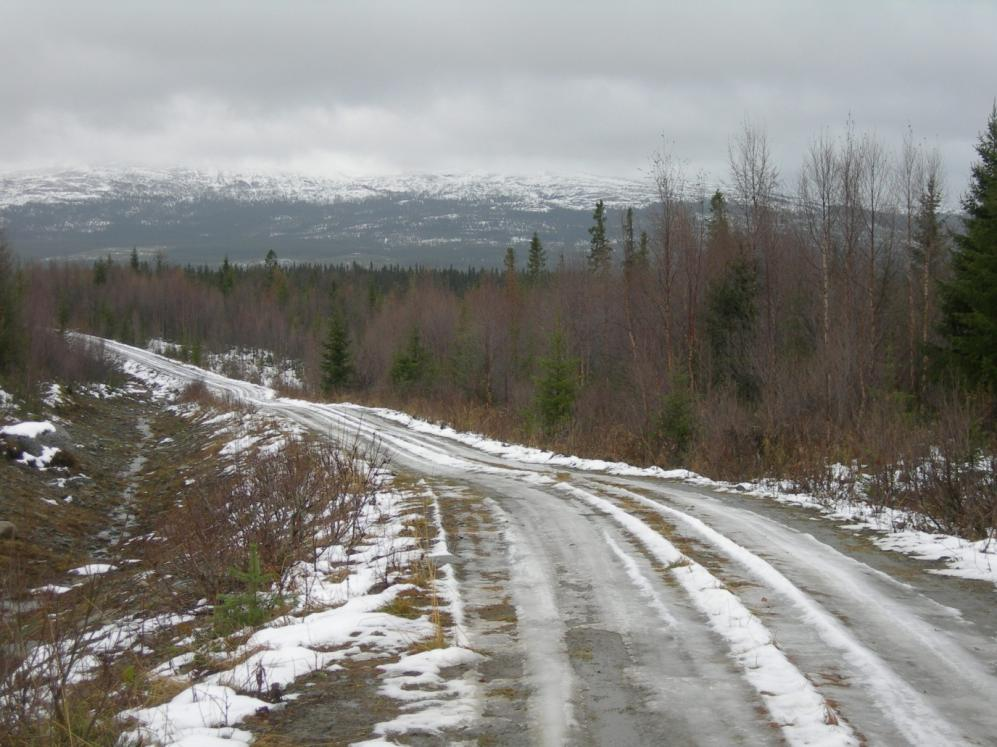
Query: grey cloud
x=558, y=86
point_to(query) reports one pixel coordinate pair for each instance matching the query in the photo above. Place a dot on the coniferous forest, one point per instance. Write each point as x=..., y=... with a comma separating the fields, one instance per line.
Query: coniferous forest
x=760, y=329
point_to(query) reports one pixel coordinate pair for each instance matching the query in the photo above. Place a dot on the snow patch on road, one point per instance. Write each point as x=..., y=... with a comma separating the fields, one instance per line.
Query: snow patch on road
x=794, y=703
x=642, y=584
x=431, y=702
x=910, y=713
x=541, y=628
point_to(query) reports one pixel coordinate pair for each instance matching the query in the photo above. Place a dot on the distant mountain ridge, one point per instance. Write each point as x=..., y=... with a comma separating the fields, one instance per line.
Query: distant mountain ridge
x=201, y=217
x=541, y=192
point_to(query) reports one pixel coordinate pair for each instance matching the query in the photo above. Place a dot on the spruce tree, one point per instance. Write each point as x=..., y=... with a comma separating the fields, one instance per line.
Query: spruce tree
x=969, y=298
x=226, y=277
x=643, y=255
x=629, y=245
x=12, y=333
x=557, y=386
x=719, y=226
x=509, y=263
x=536, y=263
x=599, y=248
x=411, y=365
x=337, y=360
x=730, y=327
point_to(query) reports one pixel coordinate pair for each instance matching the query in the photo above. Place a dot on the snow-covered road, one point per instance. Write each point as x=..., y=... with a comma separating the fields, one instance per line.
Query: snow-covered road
x=638, y=610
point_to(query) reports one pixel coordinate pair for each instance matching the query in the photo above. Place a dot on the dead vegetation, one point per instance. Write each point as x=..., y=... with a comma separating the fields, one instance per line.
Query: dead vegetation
x=71, y=660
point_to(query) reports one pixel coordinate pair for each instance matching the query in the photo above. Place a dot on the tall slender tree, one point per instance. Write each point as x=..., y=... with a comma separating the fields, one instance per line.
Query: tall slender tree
x=969, y=298
x=557, y=386
x=629, y=244
x=536, y=263
x=12, y=338
x=600, y=250
x=337, y=359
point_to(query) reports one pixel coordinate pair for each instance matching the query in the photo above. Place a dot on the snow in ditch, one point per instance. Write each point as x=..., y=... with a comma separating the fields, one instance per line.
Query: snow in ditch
x=963, y=558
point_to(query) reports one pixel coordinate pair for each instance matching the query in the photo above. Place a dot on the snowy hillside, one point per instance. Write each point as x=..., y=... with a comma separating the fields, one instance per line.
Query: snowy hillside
x=540, y=193
x=200, y=217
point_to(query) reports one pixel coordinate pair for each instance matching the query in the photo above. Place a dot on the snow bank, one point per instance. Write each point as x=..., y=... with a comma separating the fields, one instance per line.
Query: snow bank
x=201, y=715
x=28, y=429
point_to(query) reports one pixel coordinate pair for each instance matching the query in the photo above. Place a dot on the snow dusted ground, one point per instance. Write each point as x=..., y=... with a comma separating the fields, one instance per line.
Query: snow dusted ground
x=349, y=623
x=334, y=618
x=337, y=613
x=656, y=606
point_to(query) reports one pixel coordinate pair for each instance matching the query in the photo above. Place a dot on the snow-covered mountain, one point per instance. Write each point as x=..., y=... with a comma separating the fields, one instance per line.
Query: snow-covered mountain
x=539, y=193
x=200, y=217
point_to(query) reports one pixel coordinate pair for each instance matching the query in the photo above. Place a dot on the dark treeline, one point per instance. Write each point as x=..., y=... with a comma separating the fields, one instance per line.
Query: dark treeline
x=740, y=332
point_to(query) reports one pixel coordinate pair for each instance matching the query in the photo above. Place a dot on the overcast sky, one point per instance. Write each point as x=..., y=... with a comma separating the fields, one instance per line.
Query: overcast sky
x=513, y=87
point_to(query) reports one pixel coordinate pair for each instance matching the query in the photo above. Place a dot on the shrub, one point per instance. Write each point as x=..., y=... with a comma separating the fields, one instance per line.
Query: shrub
x=286, y=505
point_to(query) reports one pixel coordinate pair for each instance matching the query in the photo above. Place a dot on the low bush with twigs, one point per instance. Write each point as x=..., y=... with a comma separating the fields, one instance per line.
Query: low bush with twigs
x=278, y=508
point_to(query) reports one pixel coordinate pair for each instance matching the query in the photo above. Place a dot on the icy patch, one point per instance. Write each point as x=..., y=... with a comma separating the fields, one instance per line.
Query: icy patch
x=542, y=637
x=963, y=558
x=527, y=454
x=641, y=582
